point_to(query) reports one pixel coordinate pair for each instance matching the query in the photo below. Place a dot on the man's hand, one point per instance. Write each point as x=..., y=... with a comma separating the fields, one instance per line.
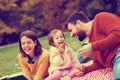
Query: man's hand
x=85, y=51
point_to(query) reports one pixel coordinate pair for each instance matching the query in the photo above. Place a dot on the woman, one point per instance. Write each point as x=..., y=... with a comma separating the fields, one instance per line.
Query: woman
x=33, y=58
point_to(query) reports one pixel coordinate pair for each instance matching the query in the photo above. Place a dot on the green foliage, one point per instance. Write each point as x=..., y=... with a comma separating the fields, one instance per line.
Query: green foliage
x=42, y=16
x=8, y=60
x=7, y=4
x=5, y=29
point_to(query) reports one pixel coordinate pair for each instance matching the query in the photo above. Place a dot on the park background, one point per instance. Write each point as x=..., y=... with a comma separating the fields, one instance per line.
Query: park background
x=41, y=16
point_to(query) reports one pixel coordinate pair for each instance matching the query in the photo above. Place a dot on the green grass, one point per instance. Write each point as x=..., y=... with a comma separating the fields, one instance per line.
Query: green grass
x=8, y=55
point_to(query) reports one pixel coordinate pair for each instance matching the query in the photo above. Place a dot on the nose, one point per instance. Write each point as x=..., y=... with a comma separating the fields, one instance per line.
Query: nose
x=26, y=45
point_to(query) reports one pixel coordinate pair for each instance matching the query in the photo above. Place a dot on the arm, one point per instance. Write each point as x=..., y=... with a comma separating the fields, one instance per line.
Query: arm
x=55, y=58
x=109, y=25
x=42, y=69
x=111, y=41
x=92, y=65
x=74, y=59
x=77, y=67
x=25, y=68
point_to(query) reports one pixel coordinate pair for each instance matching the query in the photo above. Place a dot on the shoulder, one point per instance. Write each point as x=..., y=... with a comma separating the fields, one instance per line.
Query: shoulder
x=101, y=13
x=44, y=57
x=53, y=49
x=105, y=15
x=20, y=57
x=45, y=53
x=104, y=18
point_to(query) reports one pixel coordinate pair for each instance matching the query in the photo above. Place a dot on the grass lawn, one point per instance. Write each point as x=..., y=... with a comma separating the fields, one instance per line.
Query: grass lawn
x=8, y=55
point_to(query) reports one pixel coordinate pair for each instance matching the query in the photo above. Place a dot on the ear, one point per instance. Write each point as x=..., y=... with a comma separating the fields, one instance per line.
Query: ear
x=52, y=43
x=78, y=23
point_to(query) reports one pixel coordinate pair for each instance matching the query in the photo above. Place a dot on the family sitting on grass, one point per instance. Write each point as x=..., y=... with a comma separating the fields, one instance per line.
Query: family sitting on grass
x=60, y=62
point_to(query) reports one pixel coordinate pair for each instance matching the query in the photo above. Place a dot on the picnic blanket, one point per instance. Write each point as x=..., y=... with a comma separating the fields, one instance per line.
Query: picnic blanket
x=101, y=74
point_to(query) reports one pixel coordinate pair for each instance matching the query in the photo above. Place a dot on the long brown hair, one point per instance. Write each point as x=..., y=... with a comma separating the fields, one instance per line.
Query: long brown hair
x=30, y=34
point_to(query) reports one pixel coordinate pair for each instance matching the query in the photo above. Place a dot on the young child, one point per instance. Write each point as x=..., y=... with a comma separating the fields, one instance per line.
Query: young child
x=63, y=62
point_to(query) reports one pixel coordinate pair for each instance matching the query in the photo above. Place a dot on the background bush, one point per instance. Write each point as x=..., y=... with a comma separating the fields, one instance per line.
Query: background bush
x=42, y=16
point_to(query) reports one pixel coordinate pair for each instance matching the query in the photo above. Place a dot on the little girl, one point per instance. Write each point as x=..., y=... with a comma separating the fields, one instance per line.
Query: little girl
x=63, y=62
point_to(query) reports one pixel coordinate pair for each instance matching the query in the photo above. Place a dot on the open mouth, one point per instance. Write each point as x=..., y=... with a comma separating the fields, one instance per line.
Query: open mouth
x=61, y=42
x=61, y=45
x=27, y=50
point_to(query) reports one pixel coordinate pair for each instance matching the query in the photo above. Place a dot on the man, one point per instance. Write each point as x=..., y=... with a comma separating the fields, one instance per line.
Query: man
x=104, y=39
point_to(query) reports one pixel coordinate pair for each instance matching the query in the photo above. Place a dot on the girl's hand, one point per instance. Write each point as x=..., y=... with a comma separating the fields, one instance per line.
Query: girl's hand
x=80, y=73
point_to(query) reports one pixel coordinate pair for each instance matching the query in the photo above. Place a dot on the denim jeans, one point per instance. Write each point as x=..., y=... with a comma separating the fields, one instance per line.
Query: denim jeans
x=116, y=67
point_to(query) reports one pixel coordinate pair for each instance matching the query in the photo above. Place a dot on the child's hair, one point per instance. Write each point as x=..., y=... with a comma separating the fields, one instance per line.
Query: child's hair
x=30, y=34
x=52, y=34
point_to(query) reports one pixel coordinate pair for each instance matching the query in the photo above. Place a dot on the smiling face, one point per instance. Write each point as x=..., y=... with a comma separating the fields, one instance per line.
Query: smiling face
x=28, y=45
x=76, y=31
x=58, y=39
x=73, y=30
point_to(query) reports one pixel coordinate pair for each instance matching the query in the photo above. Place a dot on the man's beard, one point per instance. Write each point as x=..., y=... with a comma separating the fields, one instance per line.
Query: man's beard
x=81, y=35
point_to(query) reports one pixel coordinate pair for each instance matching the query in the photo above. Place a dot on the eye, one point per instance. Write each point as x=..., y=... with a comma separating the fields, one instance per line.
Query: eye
x=56, y=37
x=22, y=43
x=29, y=42
x=61, y=36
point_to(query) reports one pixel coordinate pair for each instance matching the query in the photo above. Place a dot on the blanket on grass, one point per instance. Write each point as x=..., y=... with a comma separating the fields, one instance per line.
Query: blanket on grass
x=101, y=74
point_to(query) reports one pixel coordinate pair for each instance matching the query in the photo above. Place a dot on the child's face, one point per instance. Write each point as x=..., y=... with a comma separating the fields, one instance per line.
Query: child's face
x=59, y=40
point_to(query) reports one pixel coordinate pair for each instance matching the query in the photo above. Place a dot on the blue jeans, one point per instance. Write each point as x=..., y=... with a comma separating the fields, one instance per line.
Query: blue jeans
x=116, y=67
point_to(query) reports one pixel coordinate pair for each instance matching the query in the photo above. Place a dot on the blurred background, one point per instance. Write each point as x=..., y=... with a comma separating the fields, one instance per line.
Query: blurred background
x=41, y=16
